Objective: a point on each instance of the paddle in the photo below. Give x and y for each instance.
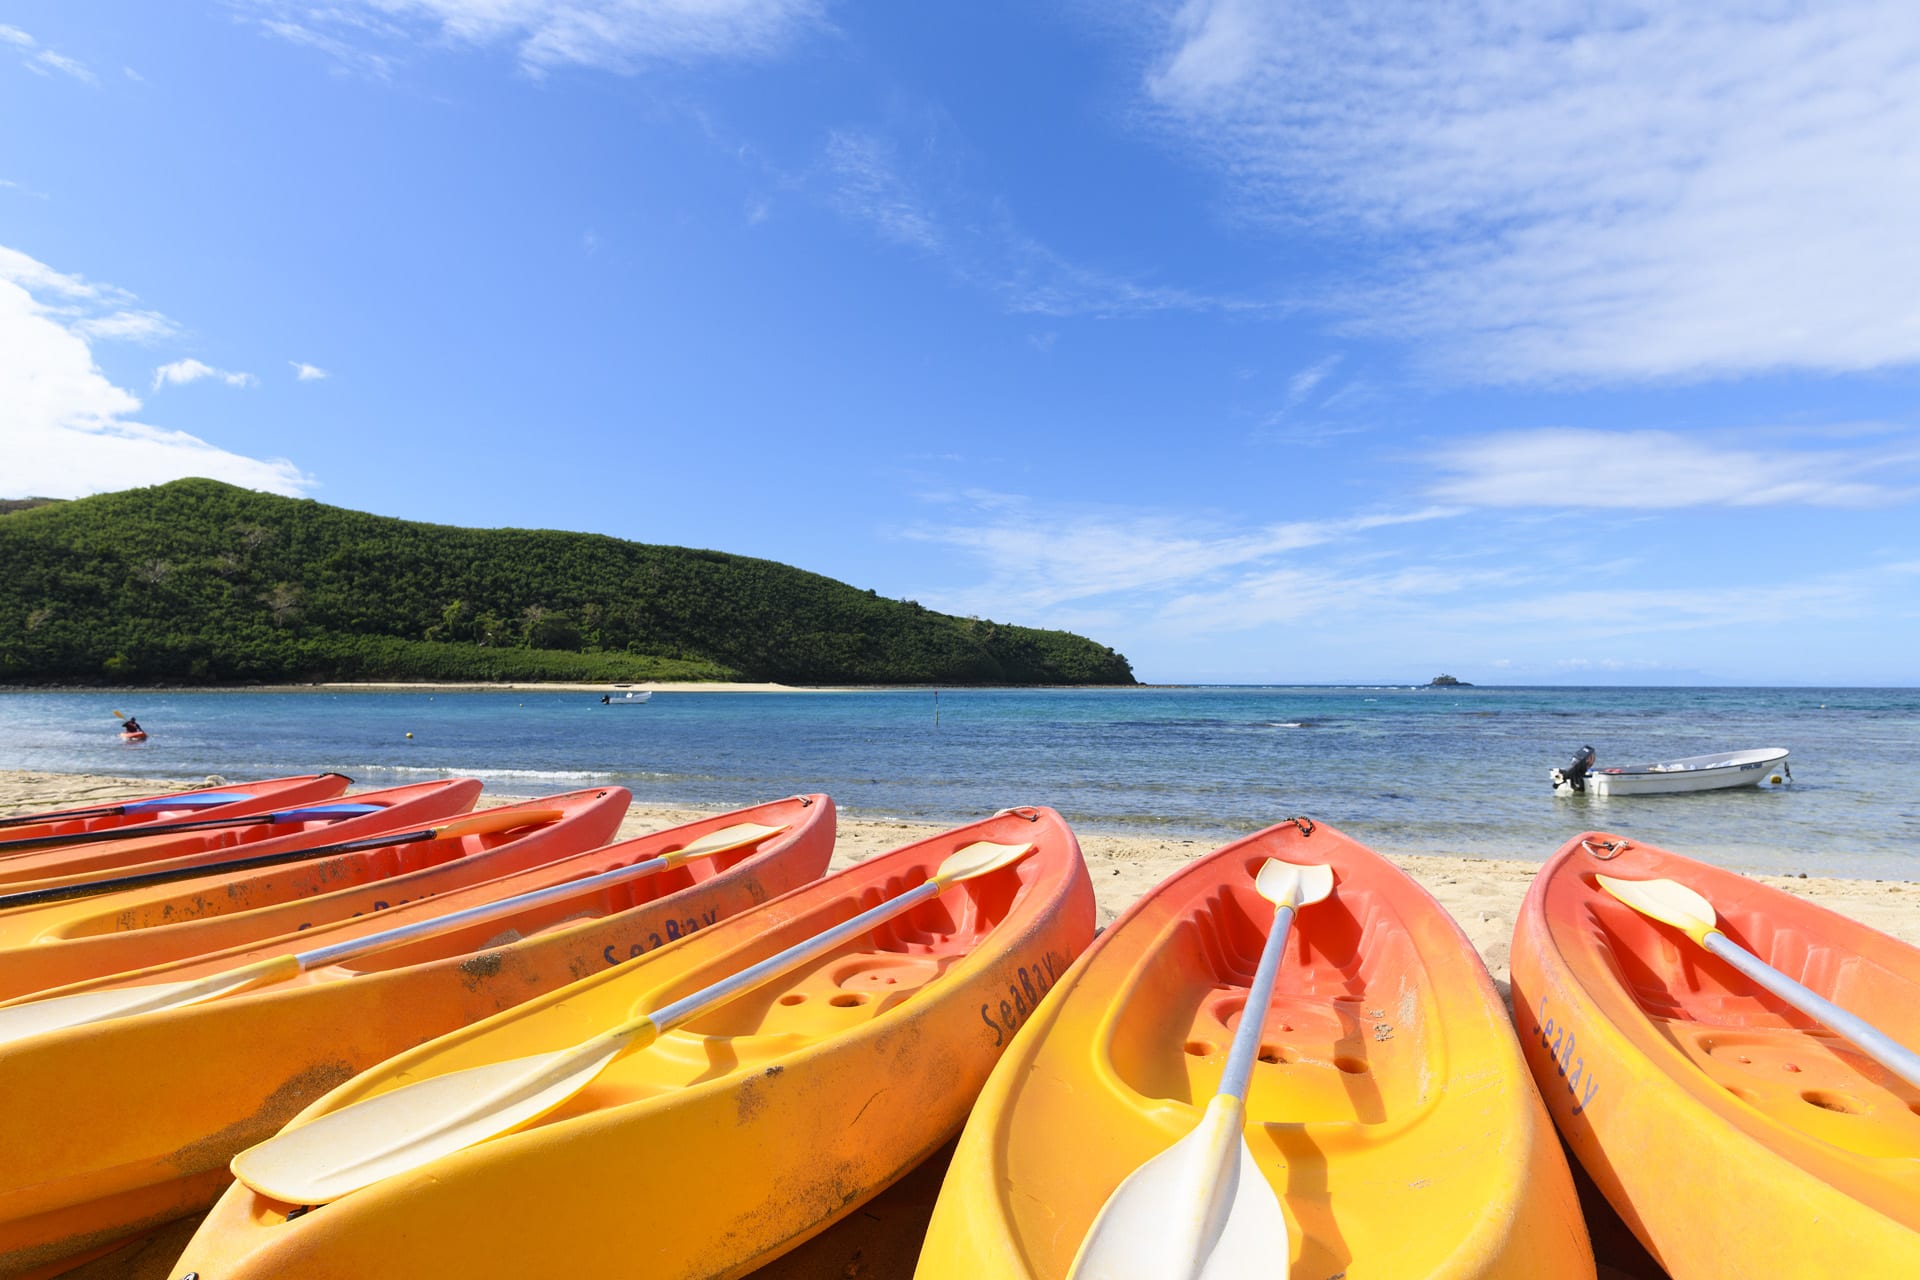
(504, 819)
(391, 1133)
(195, 800)
(19, 1021)
(313, 813)
(1201, 1209)
(1675, 904)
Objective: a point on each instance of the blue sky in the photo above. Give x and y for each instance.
(1531, 342)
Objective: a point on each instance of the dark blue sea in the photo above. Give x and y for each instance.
(1407, 770)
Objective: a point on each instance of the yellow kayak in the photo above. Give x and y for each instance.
(116, 1127)
(1738, 1137)
(1389, 1111)
(722, 1143)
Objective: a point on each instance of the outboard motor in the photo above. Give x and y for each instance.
(1573, 778)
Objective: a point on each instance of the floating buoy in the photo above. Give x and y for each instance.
(409, 735)
(1775, 779)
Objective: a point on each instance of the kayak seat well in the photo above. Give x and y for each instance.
(1341, 1043)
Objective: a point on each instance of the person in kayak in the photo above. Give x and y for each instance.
(130, 725)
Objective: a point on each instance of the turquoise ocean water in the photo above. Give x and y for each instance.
(1406, 770)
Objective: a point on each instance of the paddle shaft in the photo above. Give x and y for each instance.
(393, 937)
(1888, 1052)
(1253, 1015)
(195, 800)
(61, 893)
(317, 813)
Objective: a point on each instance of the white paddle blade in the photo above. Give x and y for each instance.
(391, 1133)
(1200, 1210)
(1289, 884)
(979, 858)
(1666, 901)
(54, 1013)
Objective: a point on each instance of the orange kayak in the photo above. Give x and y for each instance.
(19, 832)
(92, 1156)
(301, 826)
(1388, 1110)
(71, 941)
(1732, 1133)
(726, 1141)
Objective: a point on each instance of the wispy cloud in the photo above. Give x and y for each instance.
(1574, 467)
(869, 180)
(304, 372)
(1594, 193)
(181, 372)
(622, 36)
(1040, 557)
(42, 61)
(68, 430)
(128, 326)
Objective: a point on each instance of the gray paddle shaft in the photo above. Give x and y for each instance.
(471, 915)
(1246, 1039)
(669, 1016)
(1879, 1046)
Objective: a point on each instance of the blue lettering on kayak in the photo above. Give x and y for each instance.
(1027, 987)
(1559, 1041)
(676, 929)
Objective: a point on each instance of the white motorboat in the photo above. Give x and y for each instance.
(631, 698)
(1668, 777)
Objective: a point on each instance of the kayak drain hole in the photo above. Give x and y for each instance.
(792, 998)
(1832, 1102)
(1200, 1048)
(1352, 1066)
(1272, 1053)
(848, 999)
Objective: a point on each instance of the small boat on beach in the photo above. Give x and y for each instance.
(1387, 1128)
(631, 698)
(1732, 1064)
(128, 1095)
(694, 1112)
(1671, 777)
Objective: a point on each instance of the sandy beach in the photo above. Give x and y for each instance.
(1483, 895)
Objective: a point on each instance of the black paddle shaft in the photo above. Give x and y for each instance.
(60, 893)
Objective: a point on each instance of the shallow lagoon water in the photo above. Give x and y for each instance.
(1407, 770)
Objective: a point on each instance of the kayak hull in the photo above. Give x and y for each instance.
(68, 942)
(1389, 1109)
(234, 1070)
(733, 1138)
(1733, 1137)
(21, 863)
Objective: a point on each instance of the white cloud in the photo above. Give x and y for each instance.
(181, 372)
(1605, 192)
(623, 36)
(304, 372)
(128, 326)
(980, 244)
(67, 429)
(1038, 559)
(45, 59)
(1573, 467)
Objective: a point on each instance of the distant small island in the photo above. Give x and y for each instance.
(1450, 682)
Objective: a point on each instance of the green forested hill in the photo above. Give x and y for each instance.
(200, 581)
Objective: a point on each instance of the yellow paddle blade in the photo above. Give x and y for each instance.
(723, 840)
(18, 1021)
(1289, 884)
(390, 1133)
(487, 821)
(977, 859)
(1200, 1210)
(1666, 901)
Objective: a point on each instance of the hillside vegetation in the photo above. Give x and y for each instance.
(198, 581)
